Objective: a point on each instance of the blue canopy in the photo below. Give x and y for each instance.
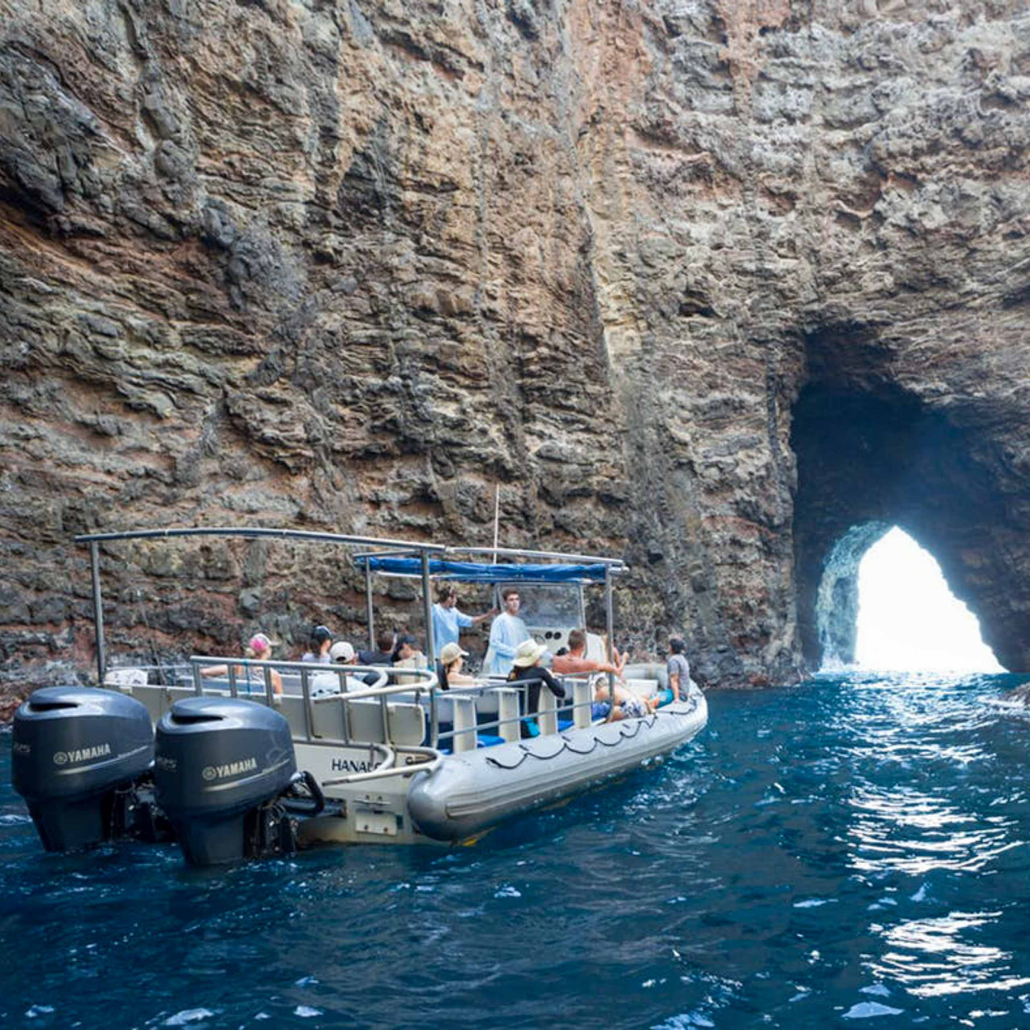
(474, 572)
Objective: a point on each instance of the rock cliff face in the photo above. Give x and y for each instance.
(708, 284)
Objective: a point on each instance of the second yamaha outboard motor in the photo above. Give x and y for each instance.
(220, 768)
(77, 756)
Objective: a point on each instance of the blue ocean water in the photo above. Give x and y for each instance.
(849, 850)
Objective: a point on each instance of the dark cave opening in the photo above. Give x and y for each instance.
(870, 458)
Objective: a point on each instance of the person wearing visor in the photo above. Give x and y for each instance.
(448, 620)
(526, 668)
(319, 646)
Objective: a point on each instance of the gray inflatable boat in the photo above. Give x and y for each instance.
(471, 792)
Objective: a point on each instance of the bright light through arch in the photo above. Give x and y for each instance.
(908, 619)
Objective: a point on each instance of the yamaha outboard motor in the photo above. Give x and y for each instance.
(78, 754)
(220, 768)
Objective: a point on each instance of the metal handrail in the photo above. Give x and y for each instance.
(521, 686)
(517, 552)
(316, 668)
(253, 532)
(94, 540)
(381, 690)
(392, 769)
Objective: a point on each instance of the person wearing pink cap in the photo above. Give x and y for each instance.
(259, 648)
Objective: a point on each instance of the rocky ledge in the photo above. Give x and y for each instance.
(709, 285)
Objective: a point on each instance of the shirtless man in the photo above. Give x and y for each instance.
(575, 663)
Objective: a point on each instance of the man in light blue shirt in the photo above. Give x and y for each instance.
(507, 632)
(448, 621)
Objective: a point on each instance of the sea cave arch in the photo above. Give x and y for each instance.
(871, 455)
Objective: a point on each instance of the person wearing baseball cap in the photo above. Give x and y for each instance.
(321, 642)
(406, 655)
(342, 652)
(260, 649)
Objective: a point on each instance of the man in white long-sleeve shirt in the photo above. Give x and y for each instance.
(506, 633)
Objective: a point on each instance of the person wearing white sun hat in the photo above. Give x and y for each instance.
(526, 668)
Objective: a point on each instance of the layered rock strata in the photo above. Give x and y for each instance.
(704, 284)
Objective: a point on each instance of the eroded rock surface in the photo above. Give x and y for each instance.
(352, 266)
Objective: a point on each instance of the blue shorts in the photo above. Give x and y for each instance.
(599, 710)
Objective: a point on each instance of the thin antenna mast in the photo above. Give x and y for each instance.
(497, 518)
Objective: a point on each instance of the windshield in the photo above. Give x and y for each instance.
(548, 604)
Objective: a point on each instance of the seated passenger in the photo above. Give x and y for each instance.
(451, 660)
(678, 669)
(259, 648)
(627, 705)
(526, 668)
(341, 653)
(382, 656)
(319, 646)
(406, 655)
(597, 649)
(575, 661)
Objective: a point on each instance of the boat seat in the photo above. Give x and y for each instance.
(482, 740)
(647, 671)
(416, 661)
(406, 722)
(131, 677)
(643, 687)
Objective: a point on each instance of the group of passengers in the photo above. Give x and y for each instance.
(512, 655)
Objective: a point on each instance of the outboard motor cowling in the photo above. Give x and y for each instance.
(76, 753)
(220, 766)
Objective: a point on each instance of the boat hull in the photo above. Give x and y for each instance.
(474, 791)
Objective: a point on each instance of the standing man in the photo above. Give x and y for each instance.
(448, 621)
(678, 669)
(507, 632)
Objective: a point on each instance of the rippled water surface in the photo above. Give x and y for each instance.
(852, 849)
